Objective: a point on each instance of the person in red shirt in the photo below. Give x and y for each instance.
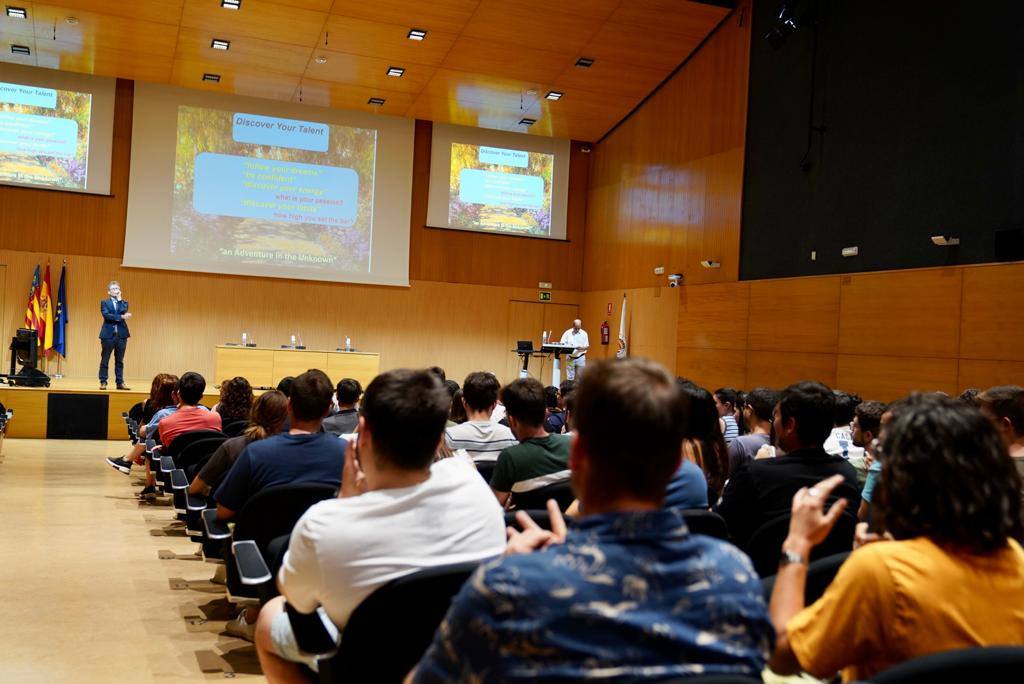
(189, 416)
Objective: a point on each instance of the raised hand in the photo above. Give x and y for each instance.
(809, 524)
(533, 537)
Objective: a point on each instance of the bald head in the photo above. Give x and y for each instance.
(577, 324)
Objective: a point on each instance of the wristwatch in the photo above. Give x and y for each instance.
(791, 558)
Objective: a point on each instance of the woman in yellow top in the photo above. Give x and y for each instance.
(950, 573)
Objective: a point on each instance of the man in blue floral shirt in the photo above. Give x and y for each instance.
(628, 592)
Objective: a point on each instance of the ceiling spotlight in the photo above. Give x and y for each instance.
(945, 240)
(21, 50)
(17, 12)
(396, 71)
(417, 34)
(220, 44)
(553, 95)
(584, 62)
(785, 24)
(378, 101)
(527, 122)
(231, 4)
(320, 59)
(212, 78)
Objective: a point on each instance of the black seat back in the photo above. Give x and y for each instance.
(992, 664)
(384, 639)
(705, 522)
(184, 439)
(537, 499)
(820, 574)
(273, 511)
(486, 469)
(194, 456)
(234, 428)
(765, 543)
(135, 413)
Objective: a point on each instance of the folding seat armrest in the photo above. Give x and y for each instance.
(314, 632)
(167, 464)
(252, 569)
(179, 482)
(215, 529)
(196, 502)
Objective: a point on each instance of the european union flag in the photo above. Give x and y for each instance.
(60, 320)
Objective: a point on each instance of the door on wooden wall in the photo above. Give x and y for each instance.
(527, 321)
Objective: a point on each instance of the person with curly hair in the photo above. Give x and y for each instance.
(235, 400)
(945, 572)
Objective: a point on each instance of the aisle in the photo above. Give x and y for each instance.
(90, 576)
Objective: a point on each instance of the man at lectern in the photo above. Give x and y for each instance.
(577, 337)
(113, 334)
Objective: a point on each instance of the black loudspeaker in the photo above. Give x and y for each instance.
(1010, 244)
(30, 377)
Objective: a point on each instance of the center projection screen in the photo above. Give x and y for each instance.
(229, 184)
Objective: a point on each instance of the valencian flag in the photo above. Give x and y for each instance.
(32, 309)
(46, 313)
(60, 319)
(623, 351)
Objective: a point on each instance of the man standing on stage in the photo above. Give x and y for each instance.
(577, 337)
(113, 334)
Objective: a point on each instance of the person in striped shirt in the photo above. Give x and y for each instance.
(481, 438)
(725, 401)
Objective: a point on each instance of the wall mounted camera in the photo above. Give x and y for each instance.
(675, 279)
(585, 148)
(945, 241)
(708, 263)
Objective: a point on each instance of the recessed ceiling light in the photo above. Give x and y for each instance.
(396, 71)
(21, 50)
(584, 62)
(220, 44)
(231, 4)
(17, 12)
(375, 101)
(527, 122)
(553, 95)
(320, 59)
(70, 21)
(212, 78)
(417, 34)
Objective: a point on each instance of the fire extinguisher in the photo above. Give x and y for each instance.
(605, 333)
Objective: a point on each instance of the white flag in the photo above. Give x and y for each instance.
(621, 353)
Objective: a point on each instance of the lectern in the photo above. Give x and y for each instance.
(556, 367)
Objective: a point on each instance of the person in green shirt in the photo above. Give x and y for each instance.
(540, 458)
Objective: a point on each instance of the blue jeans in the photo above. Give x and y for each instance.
(117, 346)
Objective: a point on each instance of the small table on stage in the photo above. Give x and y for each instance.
(556, 367)
(265, 366)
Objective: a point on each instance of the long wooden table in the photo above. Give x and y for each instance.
(264, 367)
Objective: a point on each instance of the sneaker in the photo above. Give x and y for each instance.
(148, 493)
(240, 628)
(120, 464)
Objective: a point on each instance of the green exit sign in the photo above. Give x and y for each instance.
(545, 296)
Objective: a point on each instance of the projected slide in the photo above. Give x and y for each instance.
(254, 189)
(44, 136)
(502, 190)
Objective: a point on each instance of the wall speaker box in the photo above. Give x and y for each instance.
(76, 416)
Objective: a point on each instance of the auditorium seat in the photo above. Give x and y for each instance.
(709, 523)
(235, 427)
(539, 516)
(820, 574)
(537, 499)
(766, 542)
(486, 469)
(992, 664)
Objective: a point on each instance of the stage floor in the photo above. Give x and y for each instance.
(31, 404)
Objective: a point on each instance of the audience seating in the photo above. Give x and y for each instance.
(820, 574)
(235, 427)
(766, 541)
(135, 412)
(537, 499)
(992, 664)
(539, 516)
(194, 456)
(709, 523)
(486, 469)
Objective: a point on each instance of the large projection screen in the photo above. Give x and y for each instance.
(56, 129)
(229, 184)
(498, 182)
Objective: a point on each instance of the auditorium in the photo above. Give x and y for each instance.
(481, 341)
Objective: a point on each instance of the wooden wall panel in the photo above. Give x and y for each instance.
(180, 317)
(982, 374)
(992, 327)
(651, 315)
(712, 368)
(794, 314)
(779, 369)
(886, 378)
(713, 316)
(901, 313)
(665, 186)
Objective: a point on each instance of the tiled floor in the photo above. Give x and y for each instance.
(98, 587)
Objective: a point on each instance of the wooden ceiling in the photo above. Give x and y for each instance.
(483, 63)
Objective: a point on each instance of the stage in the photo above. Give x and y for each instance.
(84, 410)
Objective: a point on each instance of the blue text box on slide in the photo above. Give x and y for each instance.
(228, 185)
(269, 130)
(503, 157)
(16, 93)
(497, 188)
(33, 135)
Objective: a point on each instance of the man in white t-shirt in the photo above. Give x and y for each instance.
(480, 437)
(397, 513)
(577, 337)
